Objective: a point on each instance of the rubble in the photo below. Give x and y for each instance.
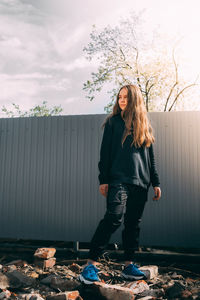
(20, 279)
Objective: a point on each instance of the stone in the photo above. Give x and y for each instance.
(156, 293)
(115, 292)
(18, 279)
(175, 290)
(151, 271)
(176, 276)
(4, 281)
(45, 263)
(5, 294)
(186, 294)
(73, 295)
(138, 287)
(47, 279)
(64, 284)
(45, 253)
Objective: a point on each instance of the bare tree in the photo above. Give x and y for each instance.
(126, 56)
(176, 91)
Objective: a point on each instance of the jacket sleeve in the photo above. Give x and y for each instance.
(153, 170)
(105, 154)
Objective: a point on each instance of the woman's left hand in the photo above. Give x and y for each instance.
(157, 191)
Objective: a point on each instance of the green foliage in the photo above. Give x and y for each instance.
(37, 111)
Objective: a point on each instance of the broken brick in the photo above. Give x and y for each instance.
(45, 253)
(73, 295)
(151, 271)
(45, 263)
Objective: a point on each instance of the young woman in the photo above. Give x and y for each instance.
(126, 171)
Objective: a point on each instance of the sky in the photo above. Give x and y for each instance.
(41, 47)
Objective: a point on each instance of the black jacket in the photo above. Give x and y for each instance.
(125, 164)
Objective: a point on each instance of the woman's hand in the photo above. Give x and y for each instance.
(103, 189)
(157, 191)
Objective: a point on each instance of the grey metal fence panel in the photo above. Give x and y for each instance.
(49, 179)
(174, 220)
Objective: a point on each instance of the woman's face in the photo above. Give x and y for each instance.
(123, 98)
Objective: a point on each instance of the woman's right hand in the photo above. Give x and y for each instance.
(103, 189)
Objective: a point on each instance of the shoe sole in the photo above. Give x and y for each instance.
(82, 279)
(132, 276)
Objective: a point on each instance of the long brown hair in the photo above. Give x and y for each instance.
(135, 117)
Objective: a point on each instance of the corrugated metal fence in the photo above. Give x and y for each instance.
(49, 179)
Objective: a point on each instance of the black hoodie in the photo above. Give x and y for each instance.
(125, 164)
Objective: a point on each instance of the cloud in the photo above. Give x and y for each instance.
(72, 100)
(41, 52)
(17, 91)
(64, 39)
(37, 54)
(41, 47)
(24, 76)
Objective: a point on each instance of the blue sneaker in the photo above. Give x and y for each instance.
(132, 272)
(89, 274)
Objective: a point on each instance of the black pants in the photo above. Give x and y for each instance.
(123, 200)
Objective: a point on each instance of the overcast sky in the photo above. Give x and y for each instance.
(41, 46)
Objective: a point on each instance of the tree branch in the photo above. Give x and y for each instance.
(176, 81)
(180, 94)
